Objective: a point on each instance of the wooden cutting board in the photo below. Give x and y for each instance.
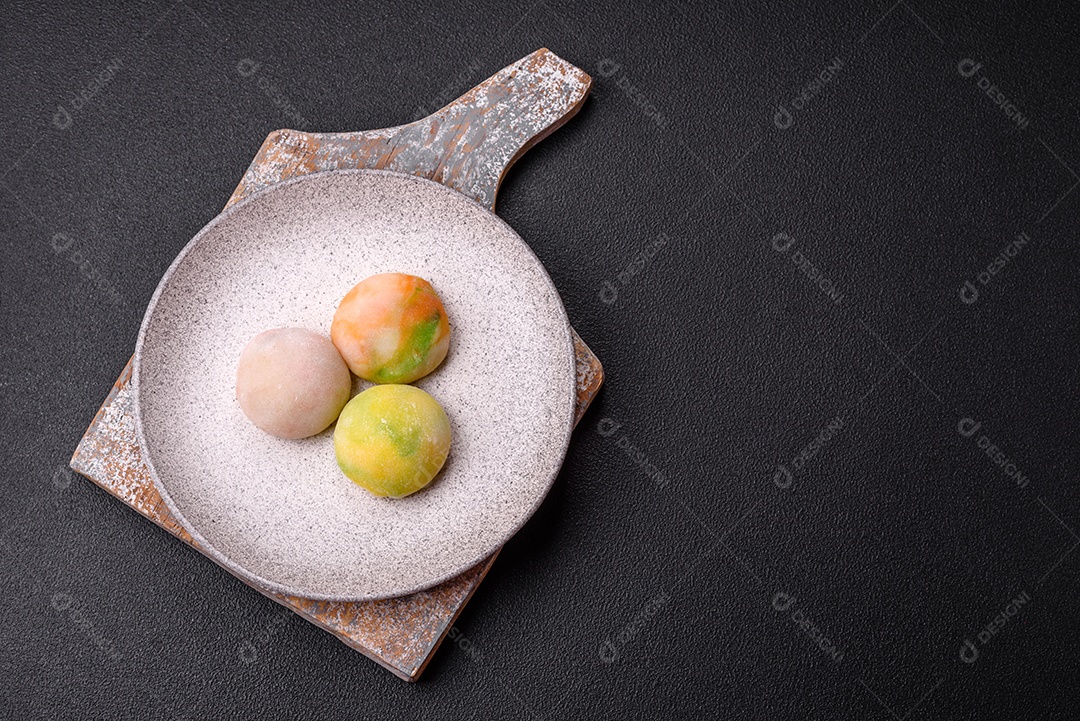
(468, 146)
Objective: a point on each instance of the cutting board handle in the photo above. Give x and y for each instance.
(467, 145)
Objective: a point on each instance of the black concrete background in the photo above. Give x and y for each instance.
(675, 571)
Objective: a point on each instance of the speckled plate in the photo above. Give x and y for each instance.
(280, 513)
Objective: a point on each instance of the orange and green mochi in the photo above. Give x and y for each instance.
(392, 439)
(391, 328)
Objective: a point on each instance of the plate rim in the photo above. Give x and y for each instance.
(562, 443)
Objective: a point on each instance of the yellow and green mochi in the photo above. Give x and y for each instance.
(392, 439)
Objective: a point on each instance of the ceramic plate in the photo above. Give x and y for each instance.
(280, 513)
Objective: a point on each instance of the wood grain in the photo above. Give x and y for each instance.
(468, 146)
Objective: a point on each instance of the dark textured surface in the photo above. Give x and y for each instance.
(647, 583)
